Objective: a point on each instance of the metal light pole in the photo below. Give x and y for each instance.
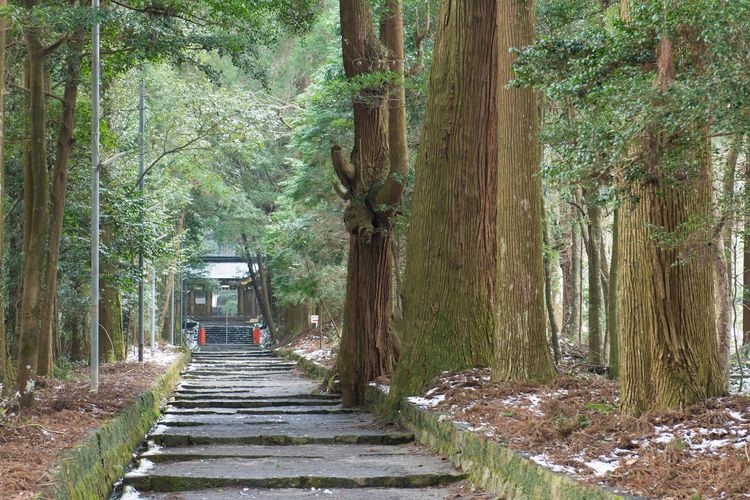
(153, 309)
(141, 169)
(94, 364)
(171, 312)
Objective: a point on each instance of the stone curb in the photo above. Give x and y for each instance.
(90, 469)
(499, 470)
(310, 368)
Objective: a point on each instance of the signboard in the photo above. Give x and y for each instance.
(314, 318)
(200, 300)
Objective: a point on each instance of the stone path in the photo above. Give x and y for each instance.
(243, 424)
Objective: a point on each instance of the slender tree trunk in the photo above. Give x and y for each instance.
(666, 312)
(595, 292)
(258, 285)
(265, 289)
(65, 143)
(4, 360)
(722, 256)
(111, 334)
(569, 262)
(169, 285)
(522, 351)
(746, 259)
(449, 283)
(614, 348)
(554, 330)
(373, 186)
(36, 193)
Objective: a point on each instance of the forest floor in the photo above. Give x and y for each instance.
(64, 414)
(572, 426)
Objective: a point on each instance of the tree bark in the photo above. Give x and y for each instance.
(374, 186)
(449, 284)
(522, 352)
(554, 329)
(258, 286)
(593, 248)
(612, 332)
(111, 334)
(265, 289)
(36, 196)
(65, 142)
(4, 360)
(669, 353)
(569, 264)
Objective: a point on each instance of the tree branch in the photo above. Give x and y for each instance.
(344, 170)
(343, 193)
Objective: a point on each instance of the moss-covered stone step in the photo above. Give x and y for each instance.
(337, 451)
(306, 422)
(265, 410)
(330, 471)
(278, 435)
(250, 396)
(249, 403)
(285, 494)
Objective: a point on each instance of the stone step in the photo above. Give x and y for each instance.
(265, 410)
(275, 435)
(257, 403)
(329, 471)
(269, 422)
(225, 493)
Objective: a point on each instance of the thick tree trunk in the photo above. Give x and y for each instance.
(669, 353)
(595, 292)
(450, 273)
(36, 197)
(65, 143)
(522, 352)
(374, 186)
(4, 360)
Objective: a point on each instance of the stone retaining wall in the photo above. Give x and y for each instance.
(89, 470)
(497, 469)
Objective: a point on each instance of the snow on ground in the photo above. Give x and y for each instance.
(162, 355)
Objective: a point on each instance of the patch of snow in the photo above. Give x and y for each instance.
(427, 402)
(601, 468)
(130, 493)
(543, 460)
(144, 466)
(737, 416)
(385, 389)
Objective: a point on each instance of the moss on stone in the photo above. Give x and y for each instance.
(89, 470)
(489, 465)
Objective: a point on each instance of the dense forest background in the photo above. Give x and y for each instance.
(639, 104)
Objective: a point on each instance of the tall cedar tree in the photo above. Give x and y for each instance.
(521, 346)
(36, 215)
(449, 294)
(666, 318)
(4, 368)
(373, 183)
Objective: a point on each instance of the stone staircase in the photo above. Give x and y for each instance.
(243, 424)
(229, 334)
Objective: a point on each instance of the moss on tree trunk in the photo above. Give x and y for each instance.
(522, 352)
(450, 265)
